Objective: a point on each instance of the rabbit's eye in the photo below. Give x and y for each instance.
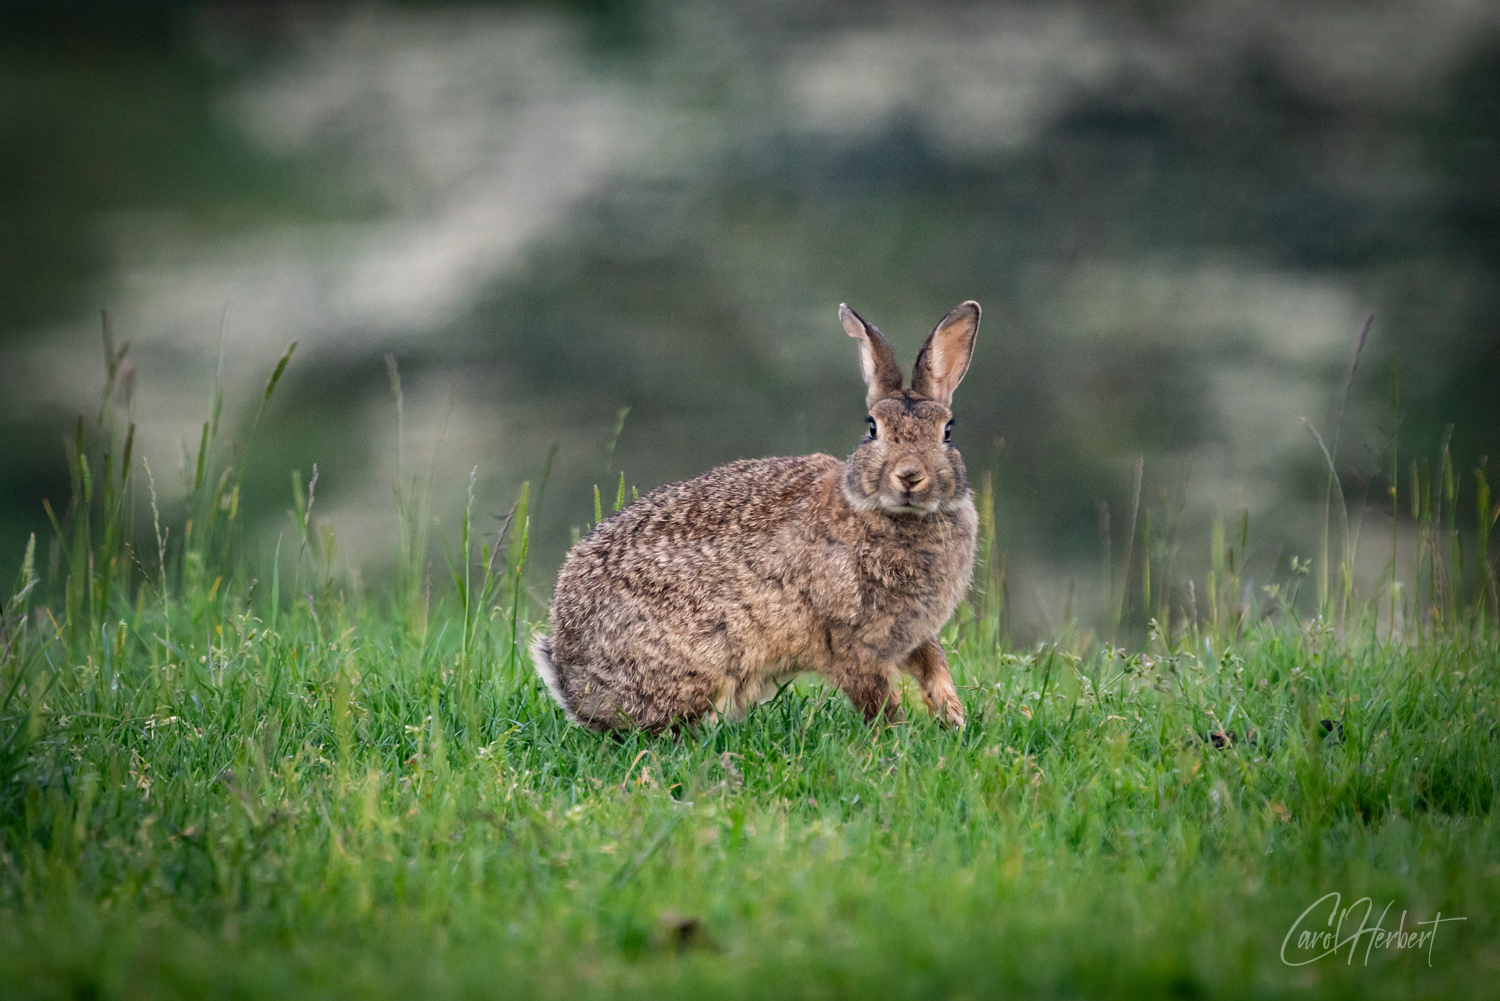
(948, 432)
(872, 429)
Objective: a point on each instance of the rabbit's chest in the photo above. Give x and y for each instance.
(914, 581)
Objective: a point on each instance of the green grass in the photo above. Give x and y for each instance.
(323, 809)
(216, 787)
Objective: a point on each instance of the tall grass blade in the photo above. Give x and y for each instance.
(1135, 507)
(614, 438)
(276, 373)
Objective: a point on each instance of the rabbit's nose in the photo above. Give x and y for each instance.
(909, 478)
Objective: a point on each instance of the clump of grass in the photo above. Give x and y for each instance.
(1446, 582)
(211, 787)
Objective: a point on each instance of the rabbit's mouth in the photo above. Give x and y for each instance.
(908, 505)
(909, 489)
(863, 492)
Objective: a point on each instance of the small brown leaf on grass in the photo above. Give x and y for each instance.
(1223, 739)
(678, 933)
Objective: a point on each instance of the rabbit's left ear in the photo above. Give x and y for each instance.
(877, 362)
(945, 354)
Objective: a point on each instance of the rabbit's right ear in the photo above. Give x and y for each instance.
(877, 362)
(945, 355)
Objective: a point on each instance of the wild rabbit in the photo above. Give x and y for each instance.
(702, 596)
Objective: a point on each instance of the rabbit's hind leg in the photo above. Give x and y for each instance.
(658, 696)
(629, 707)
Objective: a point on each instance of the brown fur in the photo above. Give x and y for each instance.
(701, 596)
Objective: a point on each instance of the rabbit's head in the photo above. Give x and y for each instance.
(906, 465)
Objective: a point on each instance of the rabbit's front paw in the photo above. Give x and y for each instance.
(951, 712)
(942, 701)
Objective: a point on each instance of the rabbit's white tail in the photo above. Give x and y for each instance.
(541, 657)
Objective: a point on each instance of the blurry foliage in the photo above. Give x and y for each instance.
(659, 295)
(1464, 143)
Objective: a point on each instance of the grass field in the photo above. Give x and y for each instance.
(215, 782)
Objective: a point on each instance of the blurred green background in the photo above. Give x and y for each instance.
(1175, 215)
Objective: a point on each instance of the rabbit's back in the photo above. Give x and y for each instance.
(698, 523)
